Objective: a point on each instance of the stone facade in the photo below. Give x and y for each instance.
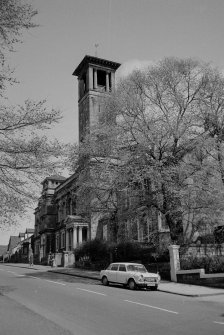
(61, 224)
(138, 222)
(63, 219)
(45, 219)
(96, 77)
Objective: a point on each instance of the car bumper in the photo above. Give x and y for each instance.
(148, 284)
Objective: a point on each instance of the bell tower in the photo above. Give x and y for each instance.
(96, 78)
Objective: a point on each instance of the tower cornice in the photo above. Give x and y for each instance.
(95, 61)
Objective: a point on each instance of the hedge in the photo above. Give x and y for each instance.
(101, 253)
(213, 264)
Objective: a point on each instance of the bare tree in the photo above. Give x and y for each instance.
(98, 176)
(159, 126)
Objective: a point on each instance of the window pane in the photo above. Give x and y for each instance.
(114, 267)
(122, 268)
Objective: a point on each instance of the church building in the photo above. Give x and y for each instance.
(60, 224)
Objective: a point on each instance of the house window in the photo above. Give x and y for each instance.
(37, 249)
(69, 206)
(57, 242)
(63, 239)
(141, 233)
(70, 237)
(125, 198)
(64, 209)
(162, 224)
(73, 206)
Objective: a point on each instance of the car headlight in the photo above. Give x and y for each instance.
(141, 278)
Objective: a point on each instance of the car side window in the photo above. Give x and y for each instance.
(114, 267)
(122, 268)
(131, 268)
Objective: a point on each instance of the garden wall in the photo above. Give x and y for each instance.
(199, 277)
(202, 264)
(200, 250)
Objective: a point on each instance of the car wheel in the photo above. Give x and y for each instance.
(105, 281)
(154, 288)
(131, 284)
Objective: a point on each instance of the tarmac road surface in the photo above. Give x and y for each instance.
(34, 302)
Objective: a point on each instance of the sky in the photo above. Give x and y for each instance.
(134, 33)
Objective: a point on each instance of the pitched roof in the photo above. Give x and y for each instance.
(13, 241)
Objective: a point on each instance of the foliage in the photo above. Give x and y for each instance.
(93, 250)
(15, 15)
(213, 264)
(207, 239)
(126, 251)
(162, 134)
(98, 254)
(134, 251)
(98, 174)
(219, 234)
(26, 153)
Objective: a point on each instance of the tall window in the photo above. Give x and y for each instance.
(57, 243)
(70, 233)
(74, 206)
(101, 78)
(62, 239)
(162, 224)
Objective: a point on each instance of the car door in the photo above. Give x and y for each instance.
(112, 274)
(122, 274)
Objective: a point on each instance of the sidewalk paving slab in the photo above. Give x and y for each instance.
(165, 286)
(189, 290)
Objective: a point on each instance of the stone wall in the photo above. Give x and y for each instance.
(58, 259)
(195, 276)
(201, 250)
(199, 277)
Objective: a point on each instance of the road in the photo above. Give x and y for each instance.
(33, 302)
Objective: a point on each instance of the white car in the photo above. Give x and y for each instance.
(131, 275)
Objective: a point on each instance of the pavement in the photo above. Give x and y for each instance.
(164, 286)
